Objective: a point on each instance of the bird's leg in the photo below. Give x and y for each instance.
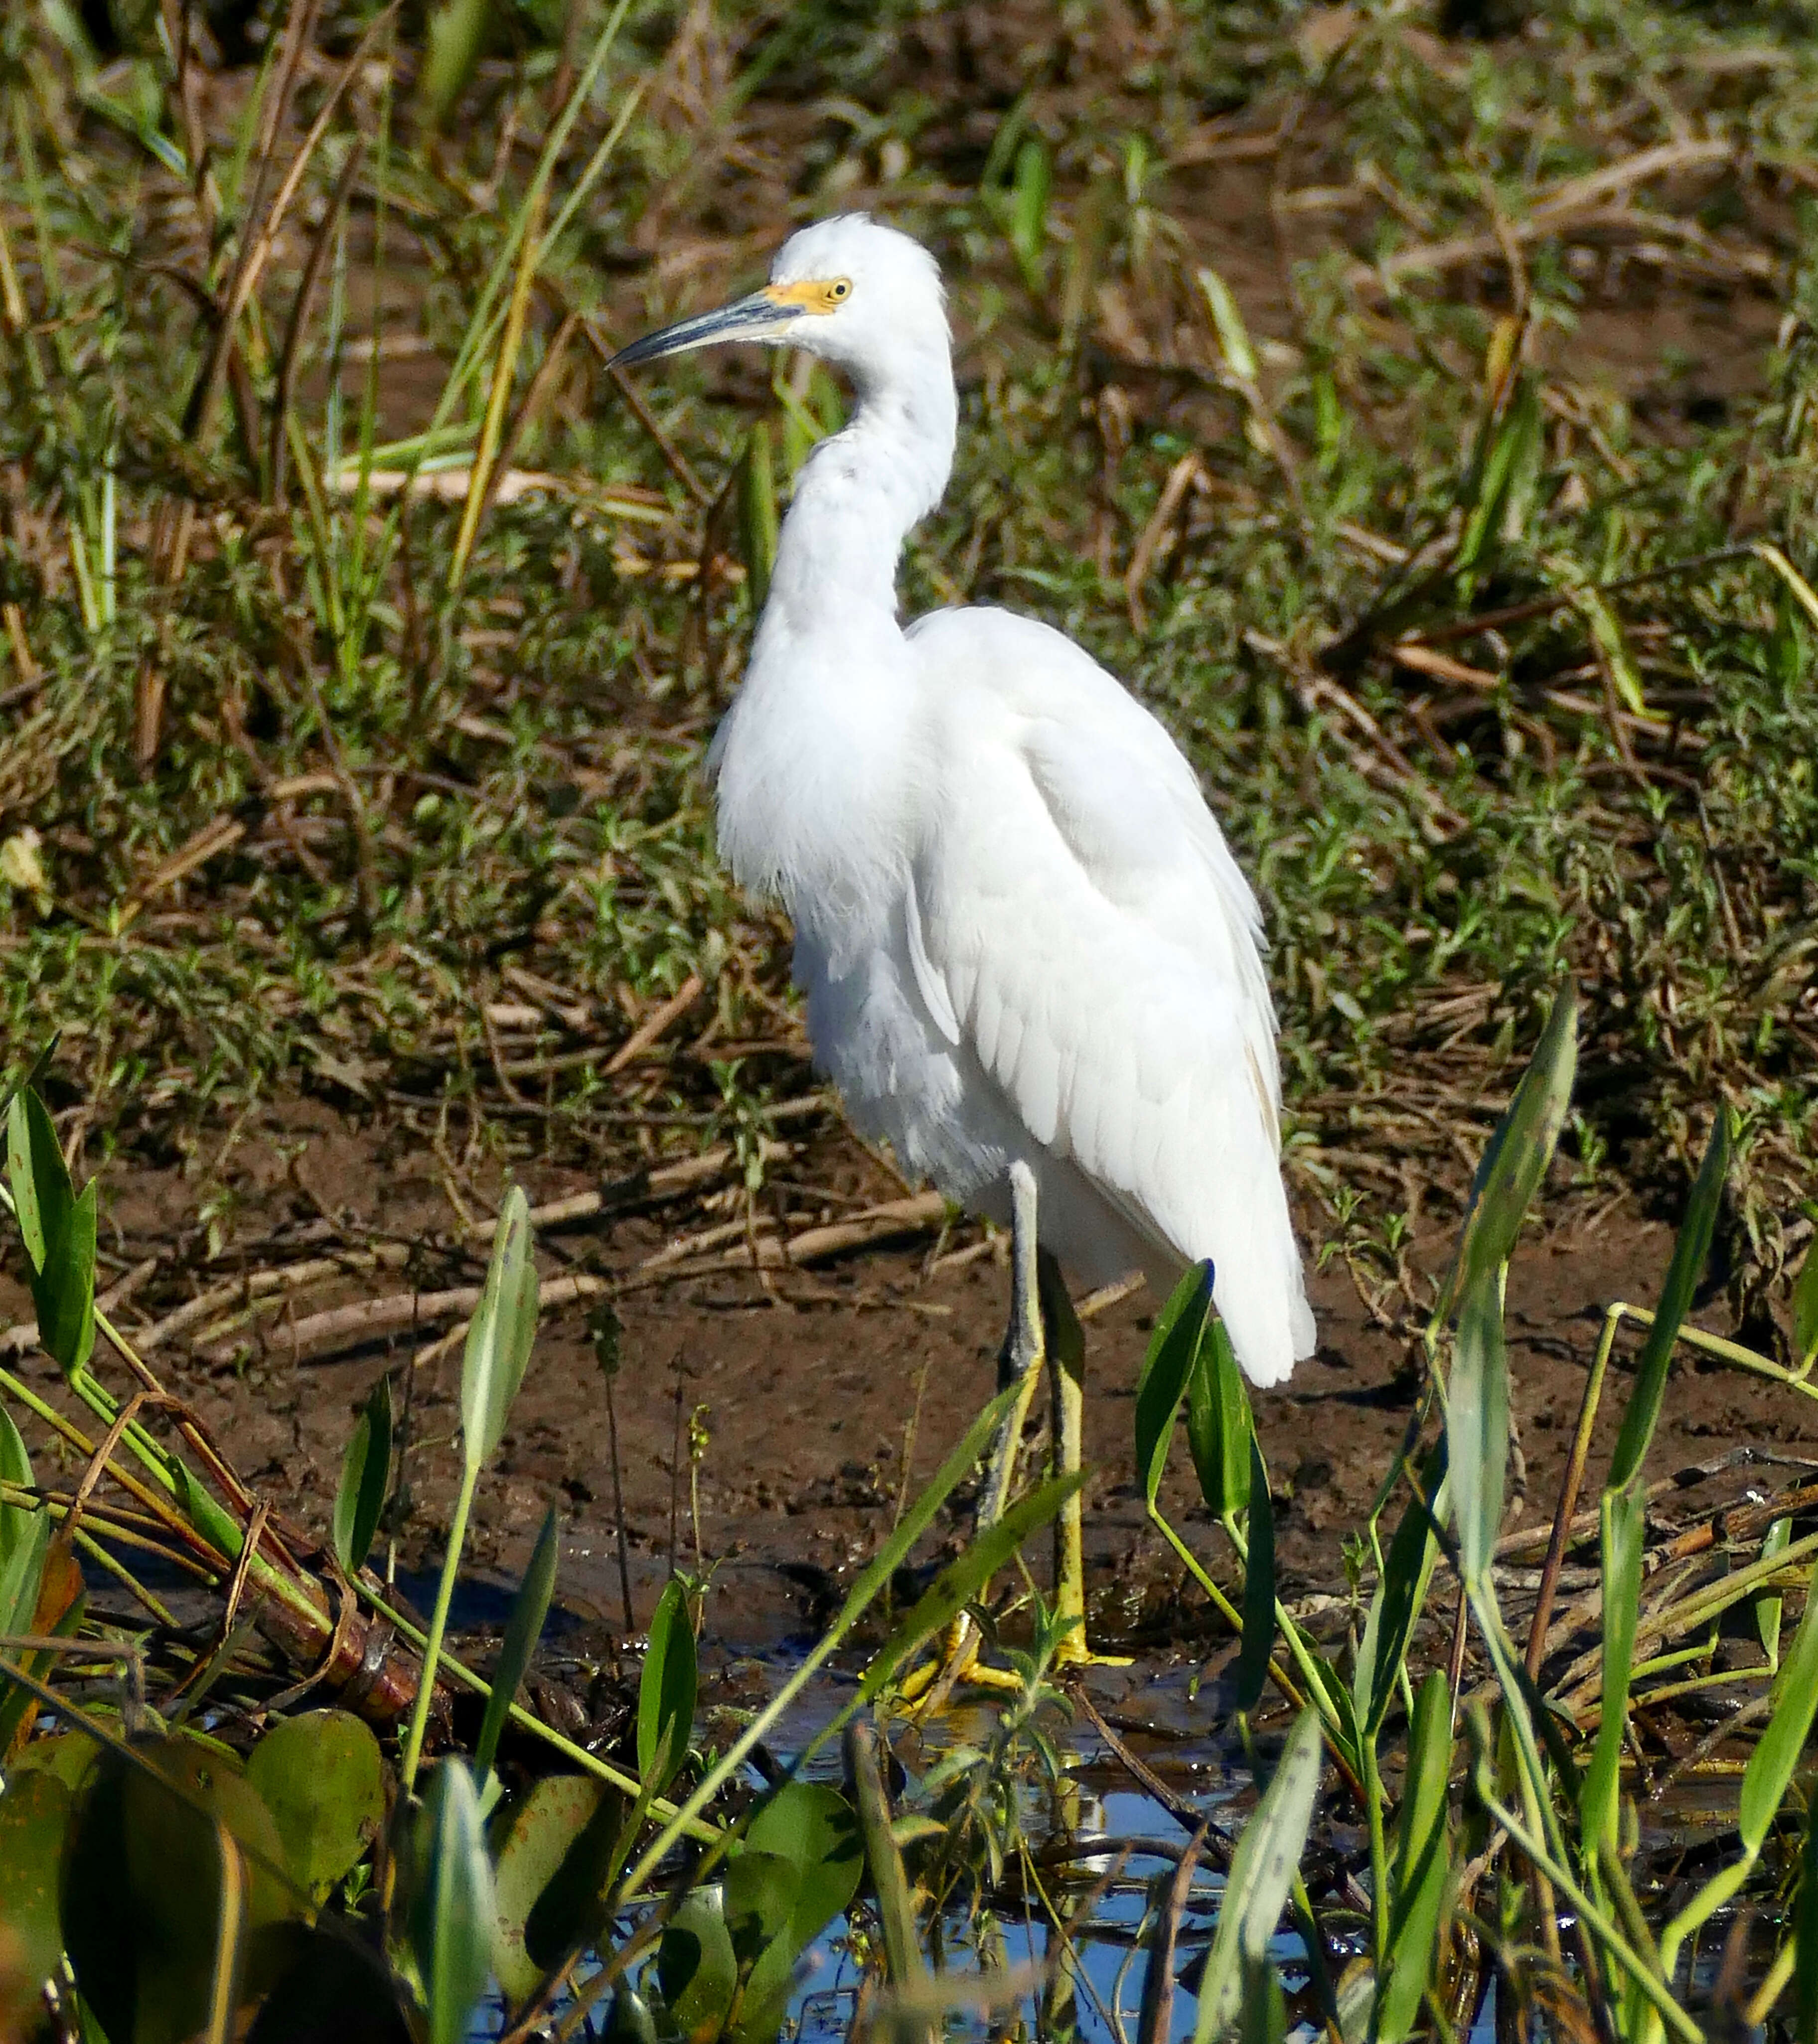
(1019, 1364)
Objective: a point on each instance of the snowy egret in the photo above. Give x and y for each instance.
(1031, 964)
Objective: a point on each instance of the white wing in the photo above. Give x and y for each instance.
(1077, 922)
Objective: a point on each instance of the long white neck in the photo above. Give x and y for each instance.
(860, 492)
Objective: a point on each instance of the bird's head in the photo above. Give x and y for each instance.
(856, 294)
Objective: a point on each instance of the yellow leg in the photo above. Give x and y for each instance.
(1066, 1360)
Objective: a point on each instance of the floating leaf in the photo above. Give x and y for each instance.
(554, 1866)
(500, 1337)
(34, 1819)
(366, 1477)
(528, 1613)
(1261, 1874)
(322, 1777)
(666, 1690)
(1258, 1587)
(1690, 1253)
(1180, 1327)
(696, 1968)
(1219, 1424)
(451, 1923)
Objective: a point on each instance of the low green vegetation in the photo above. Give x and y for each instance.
(360, 638)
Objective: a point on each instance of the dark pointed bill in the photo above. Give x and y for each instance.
(759, 317)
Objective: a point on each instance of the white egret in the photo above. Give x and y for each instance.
(1031, 964)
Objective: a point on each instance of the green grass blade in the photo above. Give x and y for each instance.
(1805, 1939)
(1219, 1423)
(366, 1478)
(1179, 1330)
(1258, 1587)
(1477, 1426)
(1422, 1864)
(1395, 1609)
(1623, 1515)
(666, 1690)
(1261, 1874)
(500, 1337)
(1805, 1308)
(1515, 1162)
(1690, 1252)
(1769, 1773)
(528, 1611)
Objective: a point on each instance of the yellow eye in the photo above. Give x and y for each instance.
(841, 287)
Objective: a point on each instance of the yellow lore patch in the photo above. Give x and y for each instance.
(812, 295)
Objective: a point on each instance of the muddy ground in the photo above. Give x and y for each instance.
(824, 1391)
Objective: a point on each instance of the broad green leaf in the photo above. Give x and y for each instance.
(366, 1477)
(528, 1612)
(1624, 1516)
(37, 1174)
(23, 1530)
(1258, 1587)
(1805, 1308)
(1422, 1863)
(210, 1517)
(1180, 1327)
(142, 1887)
(322, 1777)
(500, 1337)
(1219, 1424)
(695, 1967)
(666, 1689)
(962, 1579)
(1477, 1424)
(34, 1819)
(1770, 1770)
(1261, 1874)
(800, 1867)
(454, 1911)
(1690, 1252)
(1395, 1609)
(1515, 1162)
(553, 1870)
(64, 1290)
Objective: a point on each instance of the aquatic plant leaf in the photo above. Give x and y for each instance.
(333, 1986)
(1219, 1423)
(629, 2019)
(451, 1922)
(24, 1534)
(1515, 1161)
(1769, 1773)
(1477, 1424)
(903, 1960)
(696, 1969)
(553, 1868)
(528, 1611)
(1805, 1308)
(322, 1777)
(366, 1477)
(142, 1892)
(34, 1820)
(1422, 1862)
(58, 1228)
(962, 1579)
(1624, 1532)
(500, 1337)
(206, 1512)
(1258, 1587)
(799, 1867)
(666, 1689)
(1262, 2012)
(1261, 1874)
(1395, 1609)
(1690, 1253)
(1180, 1327)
